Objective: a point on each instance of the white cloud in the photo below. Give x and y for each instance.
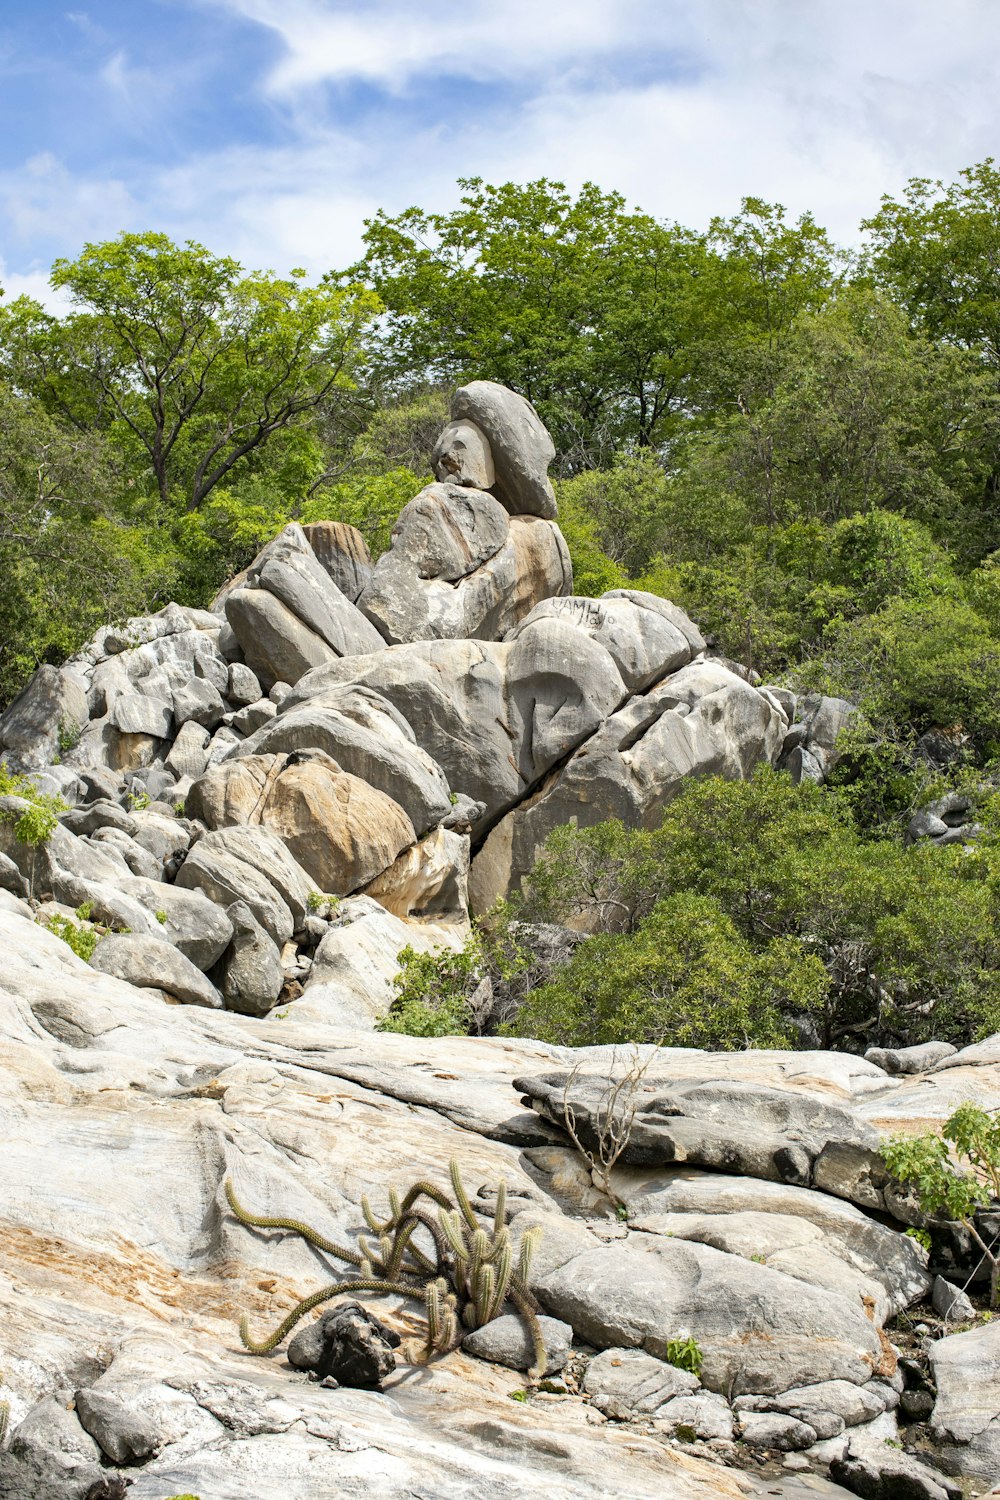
(389, 42)
(684, 106)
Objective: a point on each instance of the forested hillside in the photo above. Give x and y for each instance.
(796, 443)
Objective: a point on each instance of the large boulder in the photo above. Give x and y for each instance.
(44, 719)
(701, 721)
(249, 974)
(210, 867)
(341, 552)
(342, 831)
(643, 644)
(149, 963)
(495, 716)
(758, 1329)
(520, 447)
(966, 1416)
(368, 738)
(350, 985)
(277, 645)
(290, 570)
(460, 568)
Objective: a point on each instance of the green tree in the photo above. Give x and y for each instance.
(937, 251)
(190, 365)
(587, 310)
(75, 548)
(907, 937)
(955, 1174)
(684, 977)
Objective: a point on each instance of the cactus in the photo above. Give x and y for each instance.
(463, 1283)
(4, 1419)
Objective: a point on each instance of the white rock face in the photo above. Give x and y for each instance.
(124, 1271)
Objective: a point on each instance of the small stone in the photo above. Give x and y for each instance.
(797, 1462)
(507, 1341)
(950, 1302)
(349, 1345)
(916, 1406)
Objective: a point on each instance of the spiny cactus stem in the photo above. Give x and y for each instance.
(374, 1284)
(4, 1419)
(462, 1196)
(424, 1190)
(500, 1214)
(294, 1226)
(529, 1312)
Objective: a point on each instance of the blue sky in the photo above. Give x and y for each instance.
(269, 129)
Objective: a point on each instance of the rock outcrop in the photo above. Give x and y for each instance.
(409, 731)
(265, 803)
(124, 1273)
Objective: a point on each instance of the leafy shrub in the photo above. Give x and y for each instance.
(34, 824)
(955, 1173)
(684, 977)
(685, 1354)
(918, 664)
(446, 993)
(82, 940)
(908, 938)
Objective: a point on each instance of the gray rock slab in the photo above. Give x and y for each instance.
(292, 573)
(243, 687)
(702, 720)
(249, 974)
(224, 878)
(50, 708)
(201, 703)
(771, 1430)
(139, 713)
(520, 446)
(188, 755)
(966, 1417)
(910, 1059)
(151, 964)
(635, 1381)
(187, 919)
(507, 1341)
(265, 853)
(756, 1327)
(275, 642)
(462, 455)
(642, 643)
(343, 553)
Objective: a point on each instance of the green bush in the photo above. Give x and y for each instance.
(34, 824)
(907, 938)
(918, 664)
(954, 1174)
(685, 977)
(82, 940)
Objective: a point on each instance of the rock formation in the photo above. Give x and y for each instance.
(265, 802)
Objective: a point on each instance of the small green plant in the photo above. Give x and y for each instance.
(138, 801)
(760, 1260)
(464, 1281)
(517, 1395)
(955, 1173)
(453, 798)
(82, 940)
(34, 824)
(987, 1316)
(922, 1237)
(684, 1354)
(69, 735)
(179, 808)
(161, 917)
(316, 900)
(85, 911)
